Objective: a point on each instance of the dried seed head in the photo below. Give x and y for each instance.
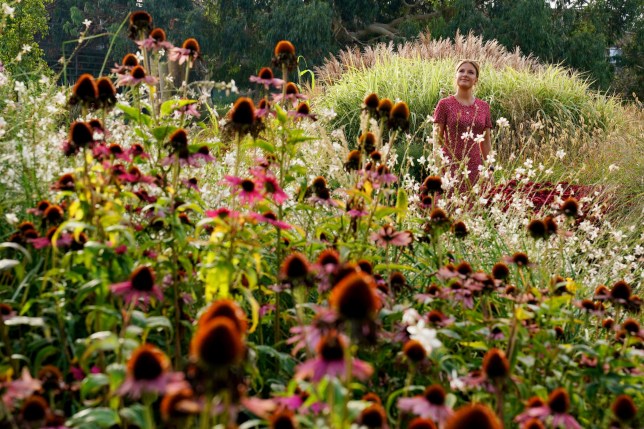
(80, 134)
(242, 115)
(551, 225)
(371, 102)
(620, 291)
(368, 142)
(106, 92)
(397, 281)
(54, 214)
(140, 25)
(521, 259)
(353, 161)
(384, 107)
(179, 139)
(496, 365)
(432, 184)
(373, 417)
(84, 91)
(631, 326)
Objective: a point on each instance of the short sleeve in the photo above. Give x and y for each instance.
(440, 114)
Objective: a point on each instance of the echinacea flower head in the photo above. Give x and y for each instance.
(431, 404)
(477, 416)
(537, 229)
(328, 257)
(283, 419)
(367, 142)
(136, 76)
(34, 411)
(225, 308)
(353, 161)
(387, 236)
(533, 424)
(421, 423)
(106, 93)
(620, 292)
(330, 361)
(295, 267)
(178, 140)
(496, 365)
(147, 371)
(178, 405)
(558, 401)
(130, 60)
(459, 229)
(53, 214)
(140, 286)
(217, 344)
(624, 408)
(373, 417)
(397, 281)
(399, 117)
(385, 107)
(551, 225)
(242, 115)
(432, 184)
(372, 397)
(414, 351)
(303, 111)
(284, 55)
(140, 25)
(80, 134)
(84, 91)
(570, 207)
(370, 103)
(354, 297)
(155, 41)
(265, 77)
(520, 259)
(6, 312)
(51, 378)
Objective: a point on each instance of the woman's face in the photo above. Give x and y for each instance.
(466, 76)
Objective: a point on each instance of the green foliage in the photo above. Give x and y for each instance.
(18, 48)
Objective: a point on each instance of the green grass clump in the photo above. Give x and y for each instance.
(518, 95)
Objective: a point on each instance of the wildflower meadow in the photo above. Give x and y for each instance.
(303, 258)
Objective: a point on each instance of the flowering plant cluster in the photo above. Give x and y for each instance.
(184, 270)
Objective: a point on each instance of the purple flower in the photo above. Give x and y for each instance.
(136, 76)
(270, 218)
(246, 189)
(148, 371)
(140, 286)
(265, 77)
(389, 236)
(429, 405)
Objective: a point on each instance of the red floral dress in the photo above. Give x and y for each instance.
(462, 124)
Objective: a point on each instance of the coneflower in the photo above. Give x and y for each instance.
(53, 214)
(537, 229)
(178, 140)
(399, 117)
(458, 228)
(284, 55)
(193, 47)
(217, 345)
(533, 424)
(34, 410)
(140, 286)
(608, 324)
(303, 111)
(431, 185)
(365, 266)
(551, 225)
(472, 416)
(431, 404)
(367, 142)
(370, 104)
(265, 77)
(130, 60)
(225, 308)
(631, 326)
(414, 351)
(520, 259)
(329, 257)
(384, 107)
(570, 207)
(84, 91)
(51, 378)
(496, 365)
(147, 371)
(464, 268)
(375, 156)
(295, 267)
(242, 115)
(354, 297)
(397, 281)
(624, 408)
(373, 417)
(80, 134)
(158, 34)
(106, 93)
(558, 401)
(137, 75)
(420, 423)
(500, 271)
(620, 292)
(372, 397)
(353, 161)
(140, 25)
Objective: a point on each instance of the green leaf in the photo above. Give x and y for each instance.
(262, 144)
(478, 345)
(218, 281)
(134, 415)
(160, 133)
(135, 114)
(44, 353)
(171, 105)
(94, 417)
(93, 384)
(281, 114)
(17, 247)
(402, 203)
(158, 322)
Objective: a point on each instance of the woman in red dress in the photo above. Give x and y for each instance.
(462, 124)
